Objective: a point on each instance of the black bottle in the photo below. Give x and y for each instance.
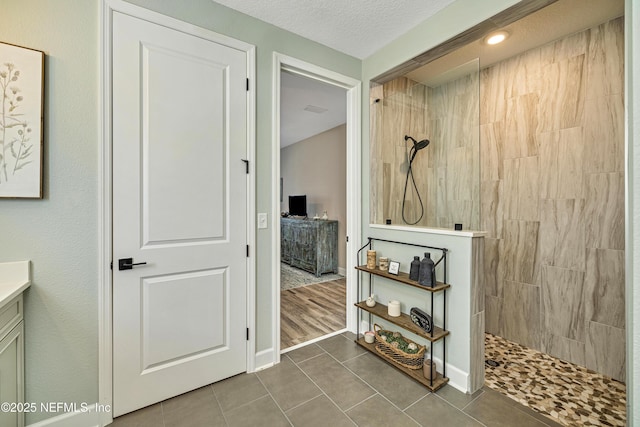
(414, 272)
(427, 274)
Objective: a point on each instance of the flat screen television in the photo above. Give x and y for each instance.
(298, 205)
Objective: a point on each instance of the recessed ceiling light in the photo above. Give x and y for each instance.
(497, 37)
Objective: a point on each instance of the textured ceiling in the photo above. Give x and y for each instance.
(355, 27)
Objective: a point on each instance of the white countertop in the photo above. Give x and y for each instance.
(432, 230)
(14, 279)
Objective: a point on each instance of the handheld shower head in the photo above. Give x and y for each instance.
(417, 145)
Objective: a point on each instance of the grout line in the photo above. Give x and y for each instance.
(320, 388)
(274, 400)
(377, 393)
(246, 403)
(162, 412)
(305, 360)
(375, 389)
(305, 402)
(215, 397)
(416, 402)
(472, 400)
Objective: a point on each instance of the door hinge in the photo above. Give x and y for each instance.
(247, 334)
(247, 85)
(247, 251)
(246, 165)
(111, 265)
(347, 239)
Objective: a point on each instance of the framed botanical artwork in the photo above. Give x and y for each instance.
(21, 121)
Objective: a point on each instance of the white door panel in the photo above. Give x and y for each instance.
(193, 299)
(179, 203)
(176, 206)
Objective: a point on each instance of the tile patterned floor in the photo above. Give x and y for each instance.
(333, 383)
(567, 393)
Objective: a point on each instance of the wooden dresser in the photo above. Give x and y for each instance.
(309, 244)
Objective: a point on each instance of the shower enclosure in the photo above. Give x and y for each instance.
(441, 187)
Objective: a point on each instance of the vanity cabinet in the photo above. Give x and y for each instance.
(437, 333)
(14, 280)
(310, 245)
(12, 361)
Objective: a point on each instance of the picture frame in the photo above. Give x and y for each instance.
(394, 267)
(21, 122)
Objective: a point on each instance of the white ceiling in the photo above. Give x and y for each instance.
(298, 93)
(355, 27)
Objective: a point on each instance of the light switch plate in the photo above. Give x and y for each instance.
(262, 220)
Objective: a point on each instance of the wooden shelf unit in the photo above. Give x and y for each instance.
(416, 374)
(402, 277)
(404, 320)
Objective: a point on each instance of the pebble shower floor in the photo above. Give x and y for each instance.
(566, 393)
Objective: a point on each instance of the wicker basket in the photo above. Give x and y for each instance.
(410, 361)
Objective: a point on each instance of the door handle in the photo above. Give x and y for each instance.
(127, 263)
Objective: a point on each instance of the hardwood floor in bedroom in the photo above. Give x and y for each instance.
(311, 311)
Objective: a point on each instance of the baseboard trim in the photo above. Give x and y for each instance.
(265, 359)
(458, 379)
(342, 271)
(85, 416)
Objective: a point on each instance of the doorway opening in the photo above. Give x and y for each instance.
(316, 153)
(313, 208)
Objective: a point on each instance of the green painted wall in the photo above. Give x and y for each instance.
(59, 234)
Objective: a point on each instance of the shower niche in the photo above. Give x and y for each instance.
(424, 152)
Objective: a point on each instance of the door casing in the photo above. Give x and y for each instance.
(105, 335)
(354, 180)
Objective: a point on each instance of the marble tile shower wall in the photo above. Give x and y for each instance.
(552, 192)
(446, 172)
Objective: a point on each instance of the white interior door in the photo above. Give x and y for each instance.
(179, 204)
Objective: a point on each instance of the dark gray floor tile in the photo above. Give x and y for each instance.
(319, 412)
(349, 335)
(304, 353)
(435, 412)
(378, 412)
(261, 412)
(151, 416)
(456, 397)
(496, 410)
(194, 409)
(343, 387)
(341, 347)
(238, 390)
(288, 385)
(401, 390)
(506, 399)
